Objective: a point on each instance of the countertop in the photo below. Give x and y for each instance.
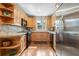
(51, 32)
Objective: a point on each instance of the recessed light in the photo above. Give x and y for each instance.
(57, 5)
(39, 10)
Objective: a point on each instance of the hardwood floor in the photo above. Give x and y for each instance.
(39, 49)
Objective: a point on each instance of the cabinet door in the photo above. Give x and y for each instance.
(35, 36)
(40, 36)
(45, 36)
(31, 22)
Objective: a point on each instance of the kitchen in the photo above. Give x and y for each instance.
(37, 29)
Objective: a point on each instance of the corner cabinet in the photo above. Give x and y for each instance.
(12, 46)
(12, 40)
(6, 13)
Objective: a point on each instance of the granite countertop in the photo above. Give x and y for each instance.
(51, 32)
(4, 35)
(11, 30)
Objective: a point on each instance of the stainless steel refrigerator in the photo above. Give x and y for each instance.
(68, 32)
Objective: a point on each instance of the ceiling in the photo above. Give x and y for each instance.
(38, 9)
(68, 5)
(47, 9)
(67, 8)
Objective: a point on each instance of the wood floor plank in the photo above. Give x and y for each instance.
(38, 50)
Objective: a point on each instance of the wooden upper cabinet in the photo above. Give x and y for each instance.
(53, 20)
(49, 21)
(18, 15)
(31, 21)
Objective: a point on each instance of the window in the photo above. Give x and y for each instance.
(40, 23)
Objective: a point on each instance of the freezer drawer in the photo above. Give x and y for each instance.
(71, 39)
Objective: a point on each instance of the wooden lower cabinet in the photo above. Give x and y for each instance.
(12, 46)
(40, 36)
